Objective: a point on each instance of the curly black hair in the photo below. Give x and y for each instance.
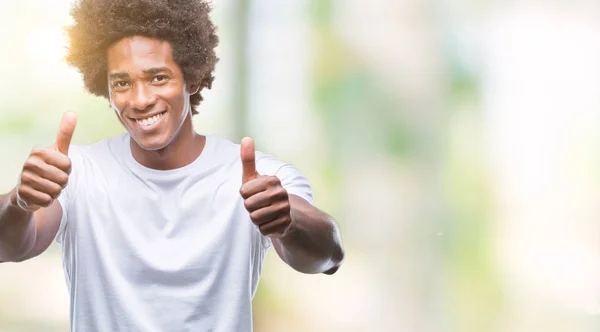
(185, 24)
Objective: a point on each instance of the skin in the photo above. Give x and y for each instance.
(27, 230)
(144, 80)
(306, 238)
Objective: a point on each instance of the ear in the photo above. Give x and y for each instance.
(193, 89)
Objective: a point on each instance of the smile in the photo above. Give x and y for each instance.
(149, 121)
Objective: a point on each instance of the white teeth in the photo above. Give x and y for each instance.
(149, 121)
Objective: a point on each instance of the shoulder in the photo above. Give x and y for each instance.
(222, 145)
(112, 144)
(84, 156)
(266, 164)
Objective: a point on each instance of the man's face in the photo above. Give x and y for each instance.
(147, 90)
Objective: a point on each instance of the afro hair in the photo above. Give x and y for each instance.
(185, 24)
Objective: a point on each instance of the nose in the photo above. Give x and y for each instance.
(142, 98)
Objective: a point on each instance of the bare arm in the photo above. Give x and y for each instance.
(30, 215)
(23, 234)
(312, 243)
(304, 237)
(17, 230)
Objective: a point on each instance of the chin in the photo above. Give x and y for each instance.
(153, 142)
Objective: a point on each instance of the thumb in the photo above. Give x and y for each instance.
(65, 132)
(248, 160)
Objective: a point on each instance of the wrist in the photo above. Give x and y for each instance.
(12, 199)
(13, 202)
(291, 230)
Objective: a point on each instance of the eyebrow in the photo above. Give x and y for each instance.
(154, 71)
(147, 72)
(117, 76)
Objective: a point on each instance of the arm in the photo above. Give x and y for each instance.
(24, 234)
(312, 242)
(304, 237)
(30, 215)
(17, 230)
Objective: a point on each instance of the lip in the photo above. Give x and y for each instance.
(147, 116)
(150, 128)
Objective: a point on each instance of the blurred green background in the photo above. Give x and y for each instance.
(456, 142)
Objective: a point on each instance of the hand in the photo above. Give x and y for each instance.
(46, 171)
(264, 196)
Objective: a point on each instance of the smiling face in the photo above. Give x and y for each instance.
(147, 90)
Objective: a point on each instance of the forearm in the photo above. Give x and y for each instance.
(313, 243)
(17, 230)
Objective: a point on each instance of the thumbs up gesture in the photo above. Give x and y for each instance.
(264, 197)
(46, 170)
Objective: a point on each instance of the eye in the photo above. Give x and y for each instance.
(120, 84)
(160, 79)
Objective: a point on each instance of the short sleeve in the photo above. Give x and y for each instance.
(295, 182)
(66, 197)
(290, 176)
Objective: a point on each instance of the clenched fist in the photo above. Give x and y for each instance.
(46, 171)
(264, 197)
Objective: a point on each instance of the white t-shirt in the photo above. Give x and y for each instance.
(149, 250)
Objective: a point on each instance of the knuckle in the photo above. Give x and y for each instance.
(285, 208)
(26, 177)
(245, 192)
(248, 205)
(41, 152)
(55, 191)
(273, 180)
(22, 191)
(287, 220)
(254, 215)
(38, 150)
(281, 192)
(63, 180)
(68, 165)
(278, 194)
(31, 163)
(263, 229)
(46, 200)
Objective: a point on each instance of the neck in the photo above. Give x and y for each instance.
(185, 147)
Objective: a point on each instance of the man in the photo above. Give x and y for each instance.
(161, 228)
